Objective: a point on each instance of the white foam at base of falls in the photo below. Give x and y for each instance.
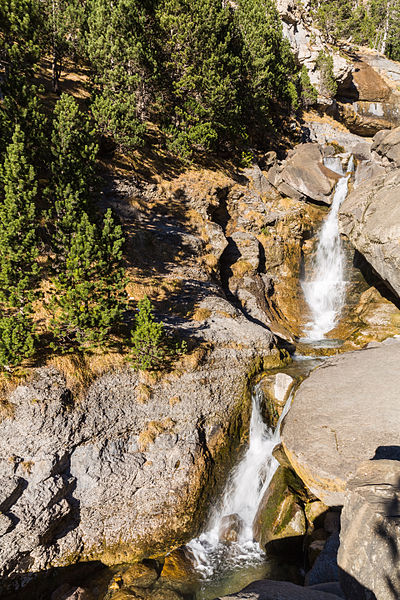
(325, 288)
(244, 491)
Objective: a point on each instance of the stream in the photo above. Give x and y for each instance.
(223, 567)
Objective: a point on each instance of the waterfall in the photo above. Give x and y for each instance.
(325, 288)
(243, 493)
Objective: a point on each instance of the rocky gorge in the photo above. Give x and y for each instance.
(106, 478)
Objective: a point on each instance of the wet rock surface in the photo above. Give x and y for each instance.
(370, 533)
(344, 429)
(280, 515)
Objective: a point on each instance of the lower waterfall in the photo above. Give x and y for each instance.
(243, 493)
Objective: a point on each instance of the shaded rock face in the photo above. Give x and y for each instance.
(370, 218)
(265, 238)
(333, 423)
(367, 102)
(370, 534)
(302, 175)
(279, 590)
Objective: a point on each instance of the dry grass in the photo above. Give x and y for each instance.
(152, 431)
(210, 260)
(174, 400)
(8, 383)
(80, 371)
(143, 393)
(201, 314)
(190, 362)
(241, 267)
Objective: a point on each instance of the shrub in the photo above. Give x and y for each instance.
(324, 64)
(148, 339)
(308, 93)
(17, 339)
(151, 348)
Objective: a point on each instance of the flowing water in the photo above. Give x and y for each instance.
(325, 287)
(219, 564)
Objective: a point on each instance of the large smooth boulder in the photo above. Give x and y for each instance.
(303, 176)
(370, 218)
(340, 415)
(279, 590)
(370, 536)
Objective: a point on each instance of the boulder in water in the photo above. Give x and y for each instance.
(178, 567)
(230, 528)
(139, 575)
(303, 176)
(280, 516)
(276, 389)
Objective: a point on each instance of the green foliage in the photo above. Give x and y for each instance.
(375, 23)
(269, 61)
(18, 230)
(247, 159)
(18, 253)
(308, 93)
(17, 339)
(64, 23)
(73, 165)
(19, 36)
(73, 151)
(89, 293)
(203, 63)
(147, 339)
(120, 49)
(324, 64)
(151, 348)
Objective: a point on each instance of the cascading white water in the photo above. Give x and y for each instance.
(325, 288)
(242, 497)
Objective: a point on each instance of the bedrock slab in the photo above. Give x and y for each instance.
(370, 532)
(347, 411)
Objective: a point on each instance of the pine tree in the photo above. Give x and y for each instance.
(20, 33)
(17, 338)
(73, 151)
(203, 63)
(18, 229)
(73, 174)
(19, 37)
(89, 293)
(147, 340)
(120, 46)
(18, 254)
(64, 28)
(269, 61)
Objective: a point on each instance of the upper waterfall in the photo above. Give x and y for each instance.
(325, 287)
